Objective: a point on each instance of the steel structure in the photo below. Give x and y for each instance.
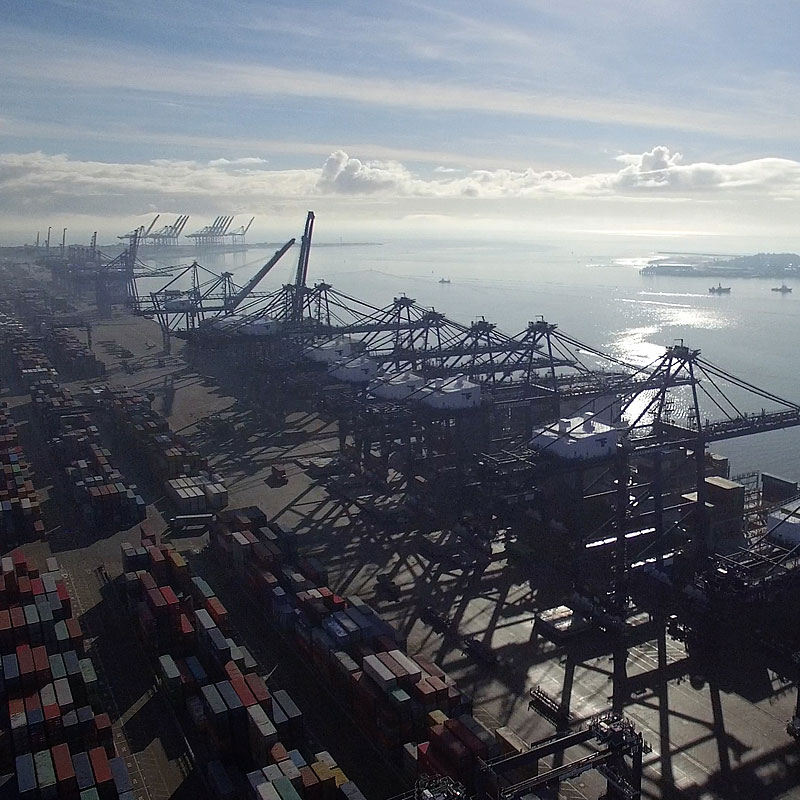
(212, 235)
(169, 235)
(615, 750)
(182, 308)
(139, 234)
(238, 235)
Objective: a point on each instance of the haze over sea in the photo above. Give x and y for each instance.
(594, 292)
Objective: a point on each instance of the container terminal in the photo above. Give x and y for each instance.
(289, 544)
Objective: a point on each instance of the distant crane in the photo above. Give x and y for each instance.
(212, 235)
(302, 270)
(237, 236)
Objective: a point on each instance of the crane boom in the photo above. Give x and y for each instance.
(248, 225)
(151, 224)
(253, 282)
(302, 269)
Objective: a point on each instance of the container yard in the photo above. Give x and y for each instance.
(311, 549)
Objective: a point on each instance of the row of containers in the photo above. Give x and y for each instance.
(404, 704)
(249, 738)
(46, 315)
(52, 743)
(20, 511)
(180, 469)
(87, 474)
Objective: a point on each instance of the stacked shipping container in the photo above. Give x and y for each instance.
(50, 737)
(96, 486)
(251, 737)
(20, 514)
(407, 705)
(169, 457)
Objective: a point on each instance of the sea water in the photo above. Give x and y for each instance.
(593, 292)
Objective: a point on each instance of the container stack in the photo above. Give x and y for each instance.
(170, 458)
(407, 705)
(250, 736)
(70, 356)
(52, 740)
(167, 454)
(20, 513)
(98, 489)
(31, 363)
(204, 492)
(90, 479)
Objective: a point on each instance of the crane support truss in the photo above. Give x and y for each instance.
(617, 754)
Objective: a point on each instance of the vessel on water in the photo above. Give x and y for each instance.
(447, 280)
(783, 289)
(719, 289)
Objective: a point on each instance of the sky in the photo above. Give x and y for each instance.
(573, 118)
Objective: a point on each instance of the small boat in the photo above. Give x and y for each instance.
(783, 289)
(447, 280)
(720, 289)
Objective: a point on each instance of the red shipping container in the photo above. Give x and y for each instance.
(100, 766)
(251, 537)
(429, 667)
(311, 785)
(259, 689)
(171, 599)
(63, 596)
(278, 753)
(5, 625)
(232, 671)
(440, 687)
(218, 612)
(243, 691)
(104, 733)
(20, 564)
(41, 663)
(425, 693)
(62, 763)
(32, 702)
(17, 620)
(147, 580)
(338, 603)
(37, 587)
(25, 659)
(52, 717)
(74, 630)
(24, 585)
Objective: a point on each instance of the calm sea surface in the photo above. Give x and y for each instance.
(594, 294)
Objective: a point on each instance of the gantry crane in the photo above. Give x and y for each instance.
(209, 295)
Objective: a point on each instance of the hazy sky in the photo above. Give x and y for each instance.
(541, 116)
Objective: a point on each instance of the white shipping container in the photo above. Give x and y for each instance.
(381, 674)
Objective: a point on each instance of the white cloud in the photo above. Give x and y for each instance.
(38, 183)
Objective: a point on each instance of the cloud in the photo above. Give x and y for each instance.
(662, 170)
(40, 183)
(122, 68)
(237, 162)
(346, 175)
